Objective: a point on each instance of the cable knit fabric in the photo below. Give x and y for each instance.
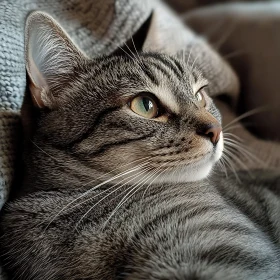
(99, 27)
(9, 122)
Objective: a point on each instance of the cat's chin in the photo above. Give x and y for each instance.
(193, 173)
(197, 171)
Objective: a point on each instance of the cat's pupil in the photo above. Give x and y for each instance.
(148, 104)
(144, 106)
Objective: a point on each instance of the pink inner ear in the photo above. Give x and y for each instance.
(49, 53)
(37, 83)
(36, 95)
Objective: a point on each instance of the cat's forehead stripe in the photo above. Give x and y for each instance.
(170, 64)
(166, 98)
(167, 66)
(197, 86)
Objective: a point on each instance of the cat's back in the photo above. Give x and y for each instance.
(179, 229)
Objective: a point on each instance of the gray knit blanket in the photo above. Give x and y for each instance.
(100, 26)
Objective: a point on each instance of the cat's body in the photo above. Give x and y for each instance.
(115, 185)
(219, 230)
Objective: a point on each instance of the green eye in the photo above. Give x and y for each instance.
(200, 98)
(144, 106)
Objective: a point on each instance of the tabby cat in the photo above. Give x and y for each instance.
(118, 182)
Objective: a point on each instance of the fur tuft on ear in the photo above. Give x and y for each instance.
(50, 55)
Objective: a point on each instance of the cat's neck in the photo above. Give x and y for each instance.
(52, 169)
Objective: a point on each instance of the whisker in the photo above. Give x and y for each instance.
(122, 49)
(233, 135)
(222, 163)
(247, 114)
(94, 188)
(176, 169)
(189, 56)
(44, 151)
(133, 176)
(140, 62)
(234, 54)
(134, 46)
(103, 175)
(232, 127)
(137, 182)
(132, 53)
(219, 168)
(118, 168)
(127, 197)
(245, 150)
(99, 201)
(161, 172)
(225, 36)
(123, 200)
(228, 161)
(230, 152)
(249, 156)
(183, 58)
(192, 67)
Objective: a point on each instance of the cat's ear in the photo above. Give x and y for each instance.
(167, 34)
(50, 56)
(162, 32)
(136, 42)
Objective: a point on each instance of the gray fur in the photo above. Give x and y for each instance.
(151, 222)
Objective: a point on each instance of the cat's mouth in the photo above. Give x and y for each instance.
(185, 168)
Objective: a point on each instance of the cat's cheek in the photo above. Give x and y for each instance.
(219, 149)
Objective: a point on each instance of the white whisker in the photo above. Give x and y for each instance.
(189, 56)
(126, 197)
(161, 172)
(193, 64)
(228, 161)
(247, 114)
(232, 127)
(230, 152)
(233, 135)
(225, 36)
(133, 176)
(246, 150)
(103, 198)
(45, 151)
(95, 187)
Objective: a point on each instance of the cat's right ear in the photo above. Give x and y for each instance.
(166, 34)
(50, 56)
(161, 32)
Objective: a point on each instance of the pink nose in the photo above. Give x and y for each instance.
(212, 132)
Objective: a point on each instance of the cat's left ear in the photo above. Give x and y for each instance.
(51, 57)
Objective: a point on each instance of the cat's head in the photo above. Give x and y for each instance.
(144, 110)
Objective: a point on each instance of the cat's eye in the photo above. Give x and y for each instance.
(199, 96)
(145, 106)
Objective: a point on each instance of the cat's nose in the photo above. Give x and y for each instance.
(212, 132)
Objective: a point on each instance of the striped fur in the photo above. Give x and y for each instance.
(217, 230)
(158, 214)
